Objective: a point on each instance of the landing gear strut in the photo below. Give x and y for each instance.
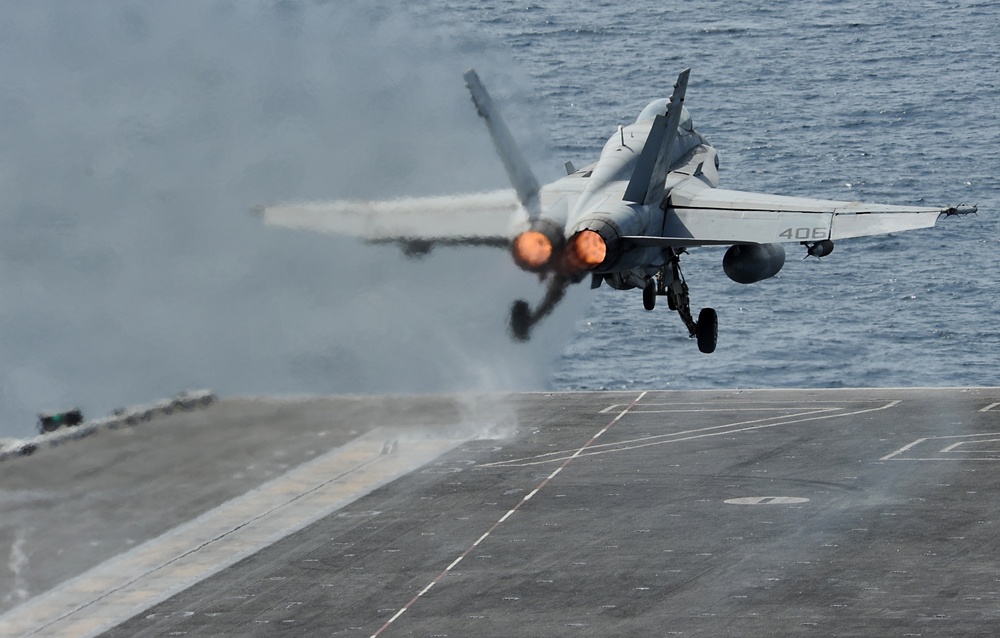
(670, 282)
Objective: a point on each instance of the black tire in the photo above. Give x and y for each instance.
(520, 320)
(649, 296)
(708, 330)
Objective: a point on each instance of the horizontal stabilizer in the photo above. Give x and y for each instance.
(471, 219)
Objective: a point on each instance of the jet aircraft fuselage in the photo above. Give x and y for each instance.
(624, 220)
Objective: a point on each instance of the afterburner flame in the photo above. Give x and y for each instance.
(532, 249)
(587, 250)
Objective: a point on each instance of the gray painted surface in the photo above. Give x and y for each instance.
(725, 513)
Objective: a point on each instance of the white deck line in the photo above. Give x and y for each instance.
(132, 582)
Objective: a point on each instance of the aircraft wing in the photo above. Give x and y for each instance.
(700, 215)
(479, 219)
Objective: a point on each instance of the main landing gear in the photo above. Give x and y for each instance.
(669, 281)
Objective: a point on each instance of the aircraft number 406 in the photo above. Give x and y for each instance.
(804, 234)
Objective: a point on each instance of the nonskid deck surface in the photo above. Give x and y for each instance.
(792, 512)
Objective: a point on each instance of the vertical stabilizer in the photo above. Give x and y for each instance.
(649, 177)
(518, 171)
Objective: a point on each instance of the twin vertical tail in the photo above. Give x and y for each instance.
(535, 248)
(518, 171)
(648, 182)
(538, 247)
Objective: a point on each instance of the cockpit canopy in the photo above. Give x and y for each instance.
(659, 107)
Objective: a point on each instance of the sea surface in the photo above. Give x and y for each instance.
(883, 102)
(136, 138)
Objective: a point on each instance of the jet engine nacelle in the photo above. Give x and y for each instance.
(596, 240)
(750, 263)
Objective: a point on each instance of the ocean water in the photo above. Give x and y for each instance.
(137, 137)
(883, 102)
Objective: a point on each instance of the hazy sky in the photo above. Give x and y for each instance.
(137, 137)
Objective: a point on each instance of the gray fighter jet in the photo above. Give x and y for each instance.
(624, 220)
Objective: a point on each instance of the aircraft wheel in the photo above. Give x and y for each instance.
(520, 320)
(708, 330)
(649, 296)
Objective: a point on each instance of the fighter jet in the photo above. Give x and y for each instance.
(624, 220)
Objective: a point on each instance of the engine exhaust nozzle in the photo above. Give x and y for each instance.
(586, 250)
(532, 250)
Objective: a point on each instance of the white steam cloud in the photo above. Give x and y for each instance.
(134, 139)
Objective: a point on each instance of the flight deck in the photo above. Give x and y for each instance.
(849, 512)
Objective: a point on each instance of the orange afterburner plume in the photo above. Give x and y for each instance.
(532, 250)
(586, 250)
